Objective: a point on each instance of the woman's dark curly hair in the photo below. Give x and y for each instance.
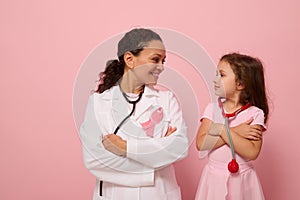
(133, 41)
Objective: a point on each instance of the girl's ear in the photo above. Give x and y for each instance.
(129, 59)
(239, 86)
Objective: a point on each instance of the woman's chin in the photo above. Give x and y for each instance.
(152, 82)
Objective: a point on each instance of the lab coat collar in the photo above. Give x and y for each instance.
(115, 95)
(150, 91)
(148, 100)
(111, 93)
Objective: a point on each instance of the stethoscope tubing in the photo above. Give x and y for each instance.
(229, 138)
(125, 119)
(132, 110)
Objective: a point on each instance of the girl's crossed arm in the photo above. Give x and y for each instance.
(247, 148)
(206, 139)
(247, 138)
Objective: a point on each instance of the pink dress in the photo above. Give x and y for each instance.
(216, 181)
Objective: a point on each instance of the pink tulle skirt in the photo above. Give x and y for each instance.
(218, 183)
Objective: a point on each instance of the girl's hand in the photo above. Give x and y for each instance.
(115, 144)
(250, 132)
(170, 130)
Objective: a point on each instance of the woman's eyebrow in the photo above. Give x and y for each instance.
(157, 54)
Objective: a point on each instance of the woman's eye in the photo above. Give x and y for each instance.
(156, 60)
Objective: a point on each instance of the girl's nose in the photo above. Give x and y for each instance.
(216, 80)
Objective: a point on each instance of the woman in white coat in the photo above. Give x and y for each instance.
(133, 133)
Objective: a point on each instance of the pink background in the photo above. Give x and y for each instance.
(43, 44)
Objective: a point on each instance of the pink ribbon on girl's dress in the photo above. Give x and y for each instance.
(155, 118)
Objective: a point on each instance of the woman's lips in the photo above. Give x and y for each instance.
(156, 75)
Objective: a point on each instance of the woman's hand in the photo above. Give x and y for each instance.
(250, 132)
(115, 144)
(170, 130)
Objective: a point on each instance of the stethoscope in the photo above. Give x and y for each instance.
(133, 107)
(233, 166)
(124, 120)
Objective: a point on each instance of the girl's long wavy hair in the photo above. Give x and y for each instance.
(133, 41)
(250, 73)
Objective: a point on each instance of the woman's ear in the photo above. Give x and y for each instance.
(129, 59)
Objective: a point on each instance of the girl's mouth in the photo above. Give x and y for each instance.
(216, 87)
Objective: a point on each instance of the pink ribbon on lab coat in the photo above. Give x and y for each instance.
(155, 118)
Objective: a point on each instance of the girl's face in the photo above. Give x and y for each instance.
(148, 65)
(225, 82)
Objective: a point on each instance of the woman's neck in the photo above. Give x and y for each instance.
(130, 86)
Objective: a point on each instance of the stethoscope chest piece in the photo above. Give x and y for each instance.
(233, 166)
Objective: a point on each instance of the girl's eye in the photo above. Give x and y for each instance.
(220, 74)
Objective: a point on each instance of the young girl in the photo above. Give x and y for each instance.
(240, 86)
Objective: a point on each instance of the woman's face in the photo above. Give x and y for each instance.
(225, 81)
(148, 65)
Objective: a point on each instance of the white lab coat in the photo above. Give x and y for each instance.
(147, 171)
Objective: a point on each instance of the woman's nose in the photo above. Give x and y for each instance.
(160, 67)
